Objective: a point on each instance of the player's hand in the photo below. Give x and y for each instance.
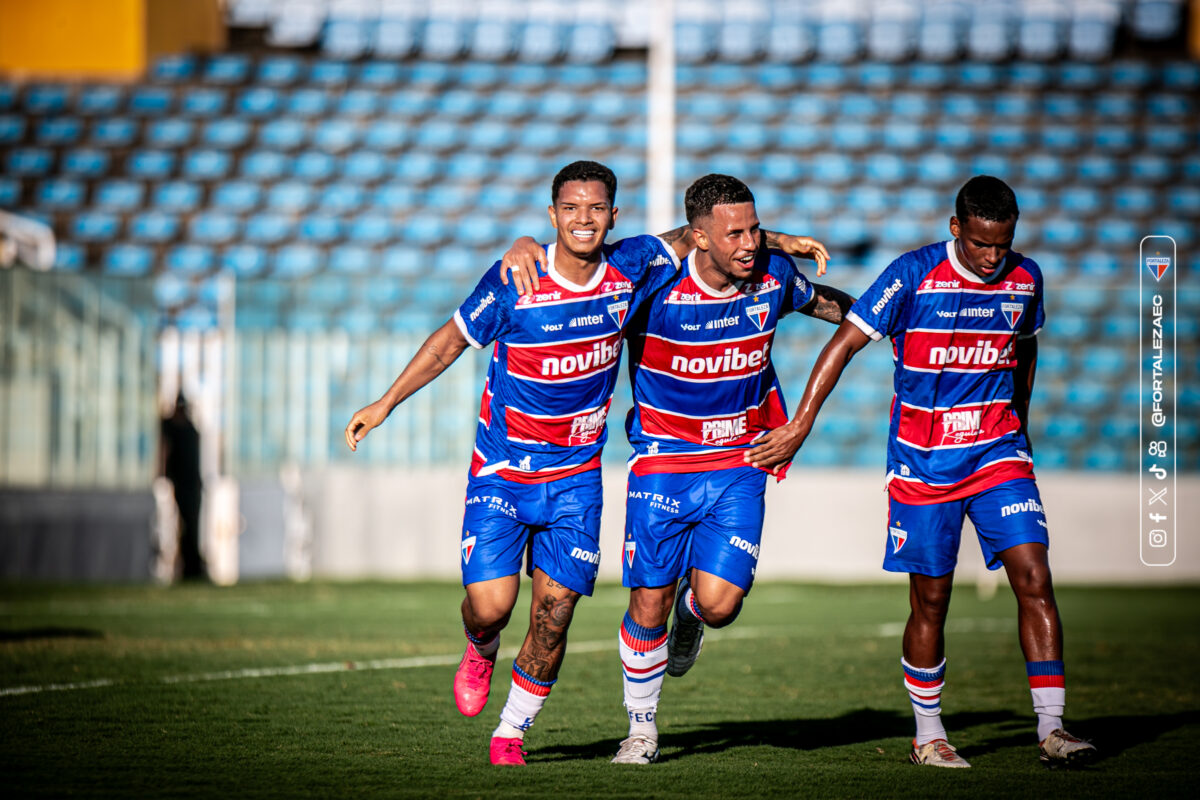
(523, 259)
(806, 247)
(776, 449)
(364, 420)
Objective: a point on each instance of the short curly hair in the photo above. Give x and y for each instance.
(714, 190)
(985, 197)
(585, 171)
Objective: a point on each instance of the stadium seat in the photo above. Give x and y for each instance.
(85, 163)
(33, 162)
(1044, 169)
(226, 69)
(340, 198)
(444, 39)
(150, 164)
(264, 165)
(365, 167)
(1079, 200)
(1078, 75)
(268, 228)
(403, 260)
(1113, 138)
(385, 135)
(320, 229)
(590, 42)
(1168, 138)
(46, 99)
(1181, 75)
(359, 103)
(214, 227)
(1117, 106)
(225, 134)
(69, 257)
(395, 197)
(189, 259)
(347, 38)
(203, 102)
(60, 194)
(120, 195)
(1097, 169)
(492, 40)
(788, 41)
(297, 261)
(1135, 200)
(938, 169)
(370, 229)
(1117, 232)
(259, 101)
(1062, 105)
(440, 134)
(351, 258)
(290, 196)
(236, 196)
(99, 101)
(128, 260)
(244, 261)
(10, 192)
(58, 131)
(171, 132)
(150, 102)
(173, 69)
(954, 136)
(419, 167)
(313, 166)
(154, 227)
(95, 226)
(177, 196)
(308, 102)
(280, 70)
(206, 165)
(1062, 139)
(394, 38)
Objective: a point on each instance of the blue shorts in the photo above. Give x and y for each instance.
(924, 538)
(708, 520)
(553, 526)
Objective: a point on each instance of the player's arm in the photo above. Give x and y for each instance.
(802, 246)
(779, 446)
(1027, 351)
(828, 303)
(439, 351)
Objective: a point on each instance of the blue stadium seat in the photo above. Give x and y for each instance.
(492, 40)
(1184, 200)
(954, 136)
(380, 74)
(120, 195)
(395, 197)
(46, 99)
(173, 69)
(444, 38)
(1079, 200)
(815, 200)
(99, 101)
(8, 96)
(1118, 106)
(410, 102)
(282, 134)
(150, 102)
(788, 41)
(1044, 169)
(32, 162)
(10, 192)
(341, 197)
(423, 228)
(296, 261)
(280, 70)
(259, 101)
(440, 134)
(456, 261)
(95, 226)
(171, 132)
(351, 258)
(590, 42)
(359, 103)
(1079, 75)
(372, 229)
(335, 135)
(308, 102)
(694, 41)
(394, 38)
(206, 165)
(236, 196)
(1168, 138)
(150, 164)
(1063, 232)
(228, 68)
(938, 169)
(1007, 137)
(244, 261)
(1099, 263)
(403, 260)
(268, 228)
(1097, 169)
(264, 165)
(1113, 138)
(204, 102)
(886, 168)
(386, 135)
(420, 167)
(1117, 232)
(505, 195)
(904, 135)
(59, 131)
(214, 227)
(1062, 104)
(313, 166)
(226, 134)
(69, 257)
(1062, 138)
(365, 166)
(128, 260)
(347, 38)
(177, 196)
(290, 196)
(154, 227)
(60, 194)
(1181, 75)
(172, 290)
(448, 197)
(330, 72)
(189, 259)
(320, 229)
(1135, 200)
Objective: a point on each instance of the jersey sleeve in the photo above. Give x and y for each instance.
(881, 310)
(799, 290)
(483, 316)
(646, 260)
(1032, 323)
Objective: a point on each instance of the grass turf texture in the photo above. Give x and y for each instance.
(802, 697)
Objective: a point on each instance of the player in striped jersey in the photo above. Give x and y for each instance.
(704, 390)
(962, 316)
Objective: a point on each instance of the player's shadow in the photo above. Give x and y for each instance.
(854, 727)
(33, 634)
(1111, 735)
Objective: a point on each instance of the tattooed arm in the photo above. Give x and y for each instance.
(439, 351)
(828, 303)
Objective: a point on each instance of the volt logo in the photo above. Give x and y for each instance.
(1012, 313)
(468, 547)
(758, 314)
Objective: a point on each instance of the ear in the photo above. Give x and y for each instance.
(612, 222)
(955, 228)
(553, 217)
(700, 238)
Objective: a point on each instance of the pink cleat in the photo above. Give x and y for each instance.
(507, 752)
(473, 681)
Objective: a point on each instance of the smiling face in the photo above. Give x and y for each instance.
(730, 236)
(583, 215)
(982, 244)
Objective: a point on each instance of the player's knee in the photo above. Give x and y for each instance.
(651, 607)
(720, 611)
(931, 604)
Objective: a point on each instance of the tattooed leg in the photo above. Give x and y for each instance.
(549, 617)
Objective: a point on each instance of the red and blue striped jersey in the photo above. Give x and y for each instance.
(555, 359)
(704, 386)
(953, 431)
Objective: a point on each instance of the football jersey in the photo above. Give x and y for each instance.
(554, 361)
(953, 429)
(704, 387)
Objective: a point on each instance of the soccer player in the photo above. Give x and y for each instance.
(534, 482)
(704, 390)
(962, 316)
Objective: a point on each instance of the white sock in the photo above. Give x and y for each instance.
(925, 692)
(526, 697)
(1048, 687)
(643, 667)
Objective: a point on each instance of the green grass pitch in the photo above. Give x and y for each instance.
(147, 691)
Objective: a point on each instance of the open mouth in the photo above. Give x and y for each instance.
(586, 236)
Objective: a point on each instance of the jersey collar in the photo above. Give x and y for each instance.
(592, 283)
(704, 287)
(952, 254)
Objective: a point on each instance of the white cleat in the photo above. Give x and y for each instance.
(1061, 749)
(637, 750)
(938, 753)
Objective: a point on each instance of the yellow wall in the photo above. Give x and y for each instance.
(110, 38)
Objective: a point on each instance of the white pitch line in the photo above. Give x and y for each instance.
(890, 629)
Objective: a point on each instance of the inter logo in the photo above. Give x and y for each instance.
(468, 547)
(630, 547)
(1012, 313)
(758, 314)
(618, 311)
(1158, 266)
(899, 537)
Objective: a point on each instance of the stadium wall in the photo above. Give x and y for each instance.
(821, 525)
